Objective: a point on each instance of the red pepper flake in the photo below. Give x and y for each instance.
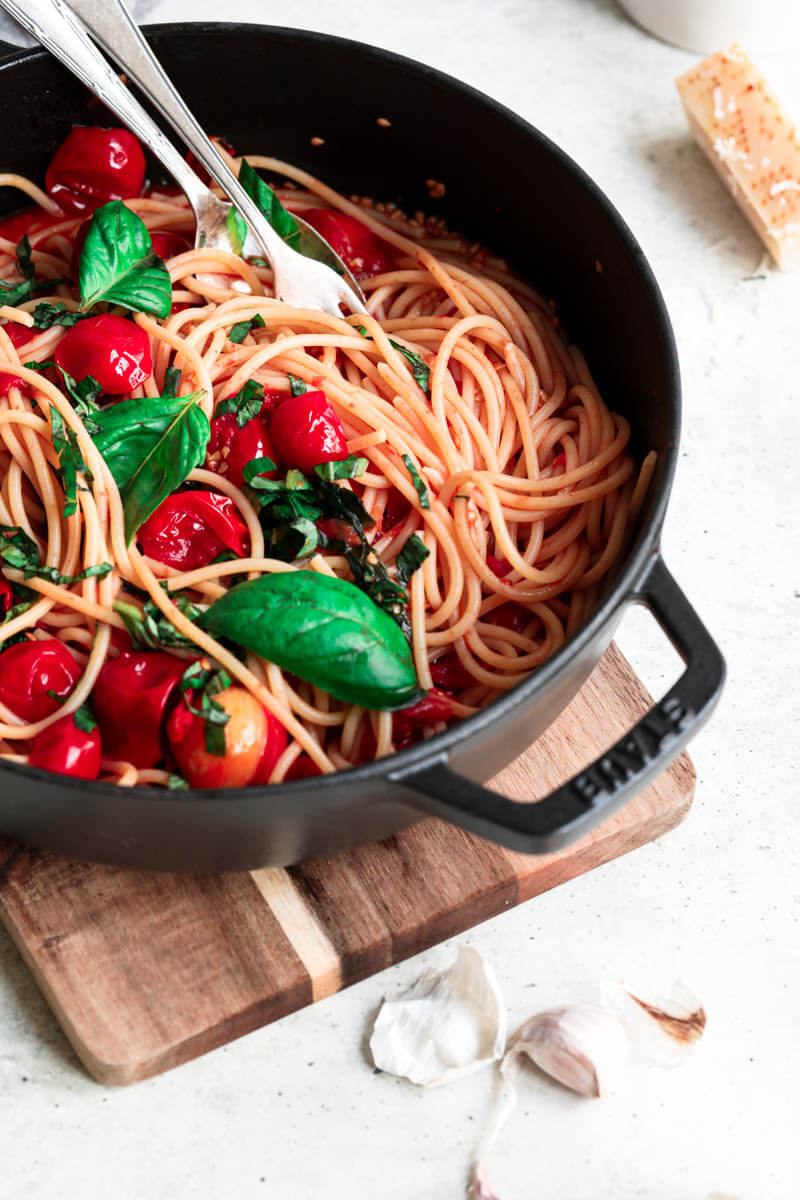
(384, 122)
(317, 141)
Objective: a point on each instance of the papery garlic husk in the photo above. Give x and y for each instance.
(664, 1029)
(446, 1025)
(580, 1045)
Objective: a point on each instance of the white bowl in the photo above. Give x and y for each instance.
(761, 26)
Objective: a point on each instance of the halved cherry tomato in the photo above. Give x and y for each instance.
(7, 382)
(167, 245)
(231, 448)
(450, 673)
(129, 700)
(277, 741)
(500, 566)
(306, 430)
(357, 246)
(245, 741)
(13, 226)
(18, 336)
(6, 596)
(408, 723)
(191, 529)
(30, 671)
(94, 165)
(510, 615)
(68, 750)
(303, 767)
(395, 511)
(113, 350)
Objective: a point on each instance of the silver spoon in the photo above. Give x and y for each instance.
(299, 280)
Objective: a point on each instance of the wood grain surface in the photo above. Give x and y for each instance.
(145, 970)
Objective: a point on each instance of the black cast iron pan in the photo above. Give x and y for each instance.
(270, 91)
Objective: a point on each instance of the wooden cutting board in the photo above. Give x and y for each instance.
(145, 970)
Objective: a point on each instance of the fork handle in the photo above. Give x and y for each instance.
(56, 26)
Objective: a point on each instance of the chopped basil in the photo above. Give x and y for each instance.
(419, 368)
(46, 315)
(255, 469)
(416, 479)
(20, 551)
(205, 683)
(344, 468)
(65, 444)
(172, 381)
(84, 719)
(13, 294)
(148, 627)
(119, 266)
(237, 230)
(262, 194)
(372, 577)
(240, 330)
(245, 405)
(176, 782)
(410, 558)
(298, 386)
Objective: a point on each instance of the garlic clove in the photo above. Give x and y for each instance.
(581, 1045)
(446, 1025)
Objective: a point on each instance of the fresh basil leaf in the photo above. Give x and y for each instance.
(263, 196)
(151, 446)
(205, 683)
(46, 315)
(253, 471)
(118, 264)
(84, 719)
(237, 230)
(240, 330)
(65, 444)
(20, 551)
(13, 294)
(299, 538)
(172, 381)
(255, 260)
(298, 386)
(149, 629)
(346, 468)
(410, 558)
(176, 782)
(245, 405)
(419, 368)
(416, 479)
(84, 395)
(324, 630)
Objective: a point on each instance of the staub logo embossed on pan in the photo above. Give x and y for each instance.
(651, 737)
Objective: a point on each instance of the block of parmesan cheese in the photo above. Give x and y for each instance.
(752, 143)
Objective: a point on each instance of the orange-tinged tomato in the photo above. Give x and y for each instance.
(245, 739)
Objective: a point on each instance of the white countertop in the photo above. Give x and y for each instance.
(294, 1110)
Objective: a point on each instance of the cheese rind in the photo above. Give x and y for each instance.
(751, 142)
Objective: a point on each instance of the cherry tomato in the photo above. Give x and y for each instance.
(191, 529)
(94, 165)
(129, 700)
(230, 448)
(500, 566)
(406, 724)
(277, 741)
(449, 672)
(18, 335)
(167, 245)
(6, 596)
(511, 616)
(113, 350)
(245, 742)
(68, 750)
(357, 246)
(7, 382)
(303, 767)
(13, 226)
(395, 511)
(305, 431)
(29, 671)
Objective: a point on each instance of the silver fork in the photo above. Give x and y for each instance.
(301, 280)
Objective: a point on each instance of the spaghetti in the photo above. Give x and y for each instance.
(483, 433)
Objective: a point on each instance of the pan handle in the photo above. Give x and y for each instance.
(620, 774)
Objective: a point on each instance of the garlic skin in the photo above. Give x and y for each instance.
(446, 1025)
(662, 1029)
(581, 1045)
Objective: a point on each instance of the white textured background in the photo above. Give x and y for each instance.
(294, 1110)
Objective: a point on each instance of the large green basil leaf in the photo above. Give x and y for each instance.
(262, 194)
(323, 629)
(118, 264)
(150, 447)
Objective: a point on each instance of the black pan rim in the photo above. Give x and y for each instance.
(639, 555)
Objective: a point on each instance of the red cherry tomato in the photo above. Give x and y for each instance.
(303, 767)
(129, 700)
(68, 750)
(31, 670)
(13, 226)
(395, 511)
(94, 165)
(277, 741)
(245, 742)
(167, 245)
(500, 566)
(511, 616)
(305, 431)
(408, 723)
(6, 596)
(357, 246)
(191, 529)
(7, 382)
(18, 335)
(113, 350)
(230, 448)
(450, 673)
